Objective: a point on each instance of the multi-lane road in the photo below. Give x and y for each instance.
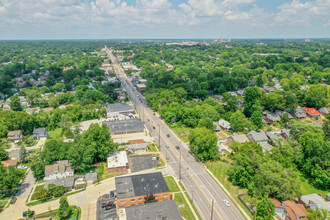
(202, 189)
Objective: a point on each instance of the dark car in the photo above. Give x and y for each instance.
(168, 135)
(106, 204)
(153, 127)
(13, 200)
(110, 207)
(112, 194)
(177, 147)
(26, 213)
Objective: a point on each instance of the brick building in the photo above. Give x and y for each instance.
(117, 162)
(134, 190)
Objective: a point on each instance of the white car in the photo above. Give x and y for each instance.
(226, 202)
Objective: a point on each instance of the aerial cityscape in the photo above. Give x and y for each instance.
(165, 110)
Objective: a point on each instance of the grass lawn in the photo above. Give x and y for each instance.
(3, 203)
(181, 131)
(191, 202)
(306, 188)
(153, 148)
(185, 211)
(298, 122)
(172, 185)
(55, 134)
(74, 214)
(36, 190)
(220, 169)
(107, 175)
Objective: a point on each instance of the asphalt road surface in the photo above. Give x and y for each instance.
(198, 183)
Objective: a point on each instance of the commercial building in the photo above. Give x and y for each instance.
(138, 189)
(117, 109)
(117, 162)
(138, 148)
(126, 128)
(156, 210)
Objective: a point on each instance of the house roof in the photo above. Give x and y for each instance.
(274, 117)
(67, 182)
(311, 111)
(125, 125)
(291, 215)
(137, 141)
(300, 113)
(119, 107)
(39, 131)
(265, 146)
(257, 136)
(60, 166)
(91, 177)
(277, 203)
(241, 138)
(324, 110)
(298, 209)
(7, 163)
(224, 123)
(13, 133)
(139, 185)
(315, 199)
(157, 210)
(137, 146)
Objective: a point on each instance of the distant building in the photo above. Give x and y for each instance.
(126, 128)
(271, 118)
(117, 162)
(141, 87)
(15, 136)
(289, 210)
(117, 109)
(60, 169)
(136, 189)
(40, 133)
(300, 113)
(312, 112)
(224, 125)
(314, 201)
(7, 163)
(257, 136)
(324, 111)
(156, 210)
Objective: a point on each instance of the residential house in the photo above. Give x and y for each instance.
(274, 136)
(240, 92)
(280, 113)
(269, 89)
(6, 107)
(143, 81)
(285, 133)
(60, 169)
(117, 162)
(138, 148)
(218, 98)
(314, 201)
(224, 125)
(299, 113)
(14, 154)
(240, 138)
(324, 111)
(134, 190)
(257, 136)
(40, 133)
(271, 118)
(10, 162)
(166, 210)
(232, 93)
(265, 146)
(15, 136)
(289, 210)
(239, 104)
(312, 112)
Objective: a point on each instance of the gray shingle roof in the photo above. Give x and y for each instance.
(241, 138)
(67, 182)
(119, 107)
(138, 185)
(257, 136)
(125, 125)
(157, 210)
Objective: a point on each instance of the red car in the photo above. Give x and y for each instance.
(106, 204)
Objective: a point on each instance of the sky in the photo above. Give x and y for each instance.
(163, 19)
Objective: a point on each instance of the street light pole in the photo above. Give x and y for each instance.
(212, 210)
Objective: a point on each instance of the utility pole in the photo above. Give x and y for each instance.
(212, 210)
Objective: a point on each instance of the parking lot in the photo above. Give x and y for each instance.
(102, 213)
(142, 162)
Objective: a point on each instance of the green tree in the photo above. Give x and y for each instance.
(64, 210)
(318, 214)
(265, 209)
(207, 123)
(285, 119)
(23, 154)
(38, 168)
(56, 191)
(238, 121)
(256, 119)
(42, 194)
(15, 103)
(3, 153)
(203, 143)
(53, 102)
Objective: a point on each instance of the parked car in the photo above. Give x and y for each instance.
(167, 146)
(153, 127)
(177, 147)
(168, 135)
(13, 200)
(112, 194)
(110, 207)
(106, 204)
